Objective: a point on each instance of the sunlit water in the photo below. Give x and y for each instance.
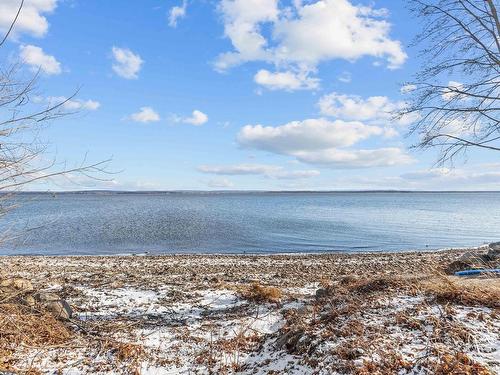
(114, 223)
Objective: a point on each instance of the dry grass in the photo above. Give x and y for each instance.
(25, 329)
(261, 293)
(22, 326)
(456, 363)
(338, 316)
(475, 292)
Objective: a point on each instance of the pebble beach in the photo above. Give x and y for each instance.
(365, 313)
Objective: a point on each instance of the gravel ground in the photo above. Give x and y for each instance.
(266, 314)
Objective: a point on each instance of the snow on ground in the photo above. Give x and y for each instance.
(189, 316)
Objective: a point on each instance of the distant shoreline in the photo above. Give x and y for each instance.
(145, 192)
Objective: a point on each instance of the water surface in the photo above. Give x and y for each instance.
(112, 223)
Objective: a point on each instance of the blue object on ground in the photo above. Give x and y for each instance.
(477, 272)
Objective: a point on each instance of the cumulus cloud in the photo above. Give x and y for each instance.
(307, 34)
(374, 109)
(74, 104)
(126, 63)
(197, 118)
(331, 29)
(405, 89)
(145, 114)
(287, 80)
(451, 93)
(36, 58)
(220, 183)
(239, 169)
(339, 159)
(32, 19)
(266, 170)
(242, 20)
(322, 142)
(176, 13)
(307, 135)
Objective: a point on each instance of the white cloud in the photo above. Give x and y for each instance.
(345, 77)
(126, 63)
(332, 29)
(302, 37)
(220, 183)
(296, 175)
(427, 174)
(38, 59)
(145, 114)
(475, 176)
(266, 170)
(307, 135)
(323, 142)
(405, 89)
(337, 158)
(176, 13)
(374, 109)
(242, 19)
(197, 118)
(287, 80)
(240, 169)
(456, 127)
(74, 104)
(32, 18)
(450, 92)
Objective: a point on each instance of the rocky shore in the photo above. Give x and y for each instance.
(376, 313)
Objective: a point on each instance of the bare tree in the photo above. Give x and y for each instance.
(455, 96)
(23, 155)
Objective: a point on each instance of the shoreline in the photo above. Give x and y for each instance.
(253, 254)
(250, 314)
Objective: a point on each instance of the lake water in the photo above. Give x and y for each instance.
(117, 223)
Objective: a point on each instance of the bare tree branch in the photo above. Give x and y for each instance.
(458, 87)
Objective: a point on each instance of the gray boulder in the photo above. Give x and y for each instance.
(493, 252)
(60, 309)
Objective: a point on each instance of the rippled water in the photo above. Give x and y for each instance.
(95, 223)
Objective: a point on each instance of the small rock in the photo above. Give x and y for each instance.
(116, 284)
(30, 301)
(295, 341)
(47, 297)
(323, 292)
(18, 283)
(60, 309)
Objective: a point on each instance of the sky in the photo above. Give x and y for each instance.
(232, 94)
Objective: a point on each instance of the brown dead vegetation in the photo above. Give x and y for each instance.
(338, 315)
(261, 293)
(27, 326)
(449, 289)
(342, 303)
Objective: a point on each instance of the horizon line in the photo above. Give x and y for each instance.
(245, 191)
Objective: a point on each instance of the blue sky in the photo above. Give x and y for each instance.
(233, 94)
